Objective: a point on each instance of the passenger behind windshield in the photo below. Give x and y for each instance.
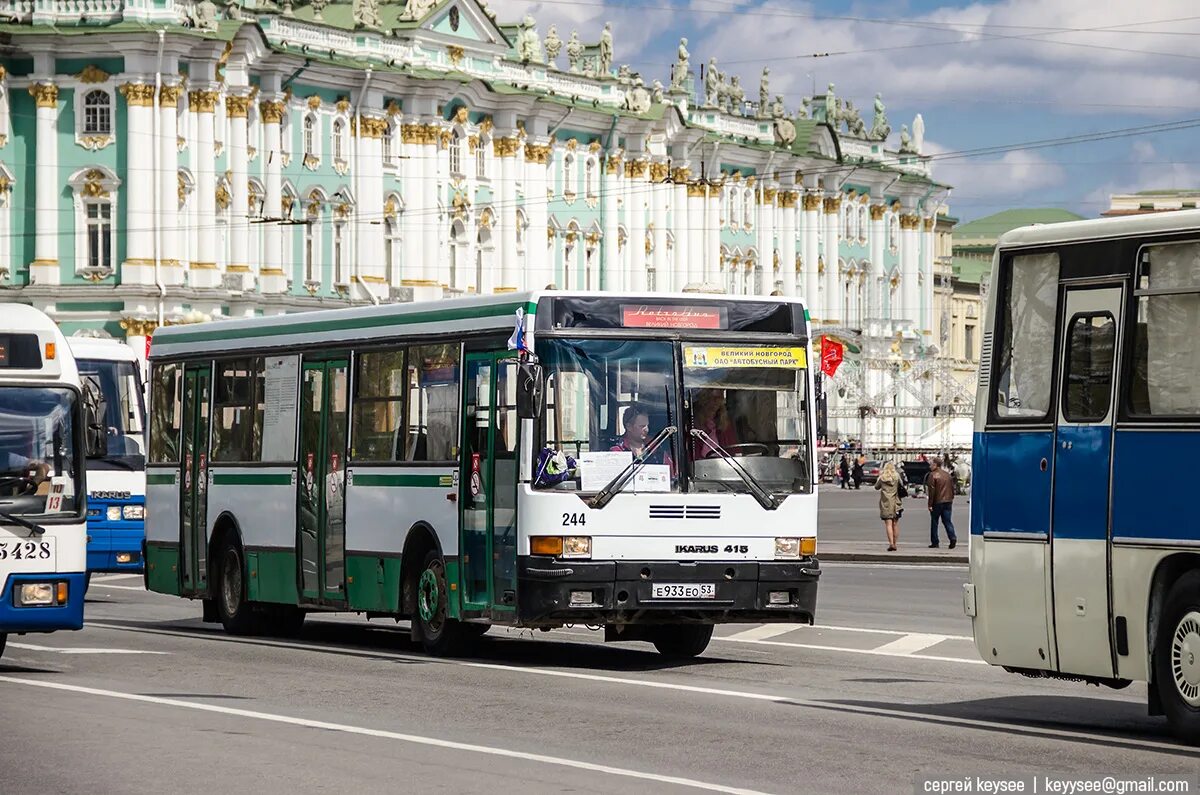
(711, 415)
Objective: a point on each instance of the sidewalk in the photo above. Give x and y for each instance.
(876, 552)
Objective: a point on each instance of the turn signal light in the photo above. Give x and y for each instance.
(546, 545)
(808, 546)
(51, 350)
(62, 593)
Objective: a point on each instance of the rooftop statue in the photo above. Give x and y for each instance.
(906, 147)
(854, 122)
(679, 70)
(606, 49)
(529, 47)
(764, 94)
(880, 129)
(417, 9)
(918, 134)
(554, 46)
(625, 74)
(712, 84)
(831, 114)
(737, 96)
(366, 14)
(204, 16)
(638, 99)
(657, 93)
(574, 52)
(318, 7)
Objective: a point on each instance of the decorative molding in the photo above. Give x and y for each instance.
(909, 222)
(612, 165)
(237, 106)
(390, 208)
(697, 190)
(271, 111)
(342, 105)
(812, 201)
(462, 115)
(372, 127)
(486, 125)
(659, 172)
(138, 95)
(314, 102)
(572, 144)
(767, 196)
(203, 101)
(393, 108)
(537, 153)
(788, 198)
(507, 147)
(636, 168)
(168, 96)
(311, 162)
(877, 211)
(927, 224)
(93, 187)
(223, 197)
(680, 175)
(93, 74)
(94, 143)
(832, 204)
(45, 94)
(594, 147)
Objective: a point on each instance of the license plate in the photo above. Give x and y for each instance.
(35, 554)
(665, 590)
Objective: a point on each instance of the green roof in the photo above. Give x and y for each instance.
(992, 226)
(1169, 192)
(971, 270)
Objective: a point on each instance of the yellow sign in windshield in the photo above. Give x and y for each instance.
(743, 356)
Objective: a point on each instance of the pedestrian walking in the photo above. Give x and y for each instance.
(891, 507)
(844, 471)
(940, 488)
(857, 473)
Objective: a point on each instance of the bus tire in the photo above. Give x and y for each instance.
(234, 612)
(682, 641)
(1177, 658)
(441, 635)
(3, 642)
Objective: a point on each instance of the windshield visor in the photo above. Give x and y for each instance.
(119, 385)
(39, 462)
(752, 402)
(607, 400)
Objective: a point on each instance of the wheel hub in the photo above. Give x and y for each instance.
(231, 584)
(428, 596)
(1185, 657)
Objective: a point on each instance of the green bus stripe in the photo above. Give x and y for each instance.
(349, 324)
(251, 479)
(160, 478)
(402, 481)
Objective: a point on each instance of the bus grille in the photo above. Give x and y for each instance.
(985, 362)
(685, 512)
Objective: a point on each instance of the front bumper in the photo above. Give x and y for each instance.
(38, 618)
(105, 543)
(622, 591)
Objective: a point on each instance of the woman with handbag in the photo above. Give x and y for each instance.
(890, 487)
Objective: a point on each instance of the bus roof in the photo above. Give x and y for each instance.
(108, 350)
(1099, 228)
(465, 315)
(55, 362)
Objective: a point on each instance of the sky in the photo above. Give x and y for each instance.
(990, 76)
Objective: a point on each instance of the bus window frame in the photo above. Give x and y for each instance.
(258, 366)
(151, 437)
(1064, 394)
(1125, 410)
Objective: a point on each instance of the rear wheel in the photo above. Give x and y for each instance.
(1177, 658)
(682, 641)
(440, 635)
(235, 613)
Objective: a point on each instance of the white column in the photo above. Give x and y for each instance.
(635, 214)
(44, 268)
(878, 233)
(237, 107)
(204, 268)
(812, 253)
(138, 267)
(509, 278)
(787, 245)
(612, 276)
(274, 279)
(712, 233)
(411, 178)
(928, 241)
(766, 239)
(660, 194)
(910, 302)
(831, 299)
(170, 229)
(697, 264)
(369, 209)
(537, 247)
(436, 267)
(680, 223)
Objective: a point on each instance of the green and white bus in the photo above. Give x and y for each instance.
(642, 463)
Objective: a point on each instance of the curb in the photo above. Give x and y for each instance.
(886, 557)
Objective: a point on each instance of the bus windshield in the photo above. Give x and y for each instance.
(606, 401)
(748, 403)
(120, 386)
(38, 454)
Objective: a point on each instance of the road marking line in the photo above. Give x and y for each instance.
(910, 644)
(107, 577)
(845, 564)
(122, 587)
(895, 632)
(68, 650)
(415, 739)
(763, 632)
(924, 717)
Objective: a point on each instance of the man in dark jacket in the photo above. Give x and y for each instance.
(940, 487)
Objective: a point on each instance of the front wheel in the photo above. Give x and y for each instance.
(441, 635)
(234, 612)
(682, 641)
(3, 642)
(1177, 658)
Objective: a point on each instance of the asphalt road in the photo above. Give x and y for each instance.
(887, 688)
(853, 515)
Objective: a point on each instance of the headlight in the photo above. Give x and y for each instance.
(787, 547)
(114, 513)
(133, 512)
(31, 594)
(577, 547)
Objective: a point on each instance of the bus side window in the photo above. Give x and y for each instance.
(1166, 357)
(1025, 366)
(165, 414)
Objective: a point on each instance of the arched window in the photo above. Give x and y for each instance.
(339, 139)
(310, 135)
(312, 238)
(863, 223)
(568, 175)
(735, 211)
(339, 253)
(849, 218)
(456, 152)
(388, 143)
(481, 157)
(748, 209)
(589, 177)
(97, 113)
(95, 196)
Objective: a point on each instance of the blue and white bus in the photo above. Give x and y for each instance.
(1085, 544)
(42, 493)
(116, 479)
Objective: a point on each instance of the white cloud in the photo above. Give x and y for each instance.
(1012, 175)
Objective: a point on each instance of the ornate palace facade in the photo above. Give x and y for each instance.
(165, 161)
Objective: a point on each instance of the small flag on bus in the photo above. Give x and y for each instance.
(517, 341)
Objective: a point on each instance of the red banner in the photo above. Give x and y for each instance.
(832, 354)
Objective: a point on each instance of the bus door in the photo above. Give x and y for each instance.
(488, 528)
(1080, 547)
(321, 486)
(193, 567)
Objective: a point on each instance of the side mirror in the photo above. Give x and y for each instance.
(94, 413)
(531, 391)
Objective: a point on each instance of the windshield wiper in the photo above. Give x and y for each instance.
(34, 529)
(764, 497)
(605, 495)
